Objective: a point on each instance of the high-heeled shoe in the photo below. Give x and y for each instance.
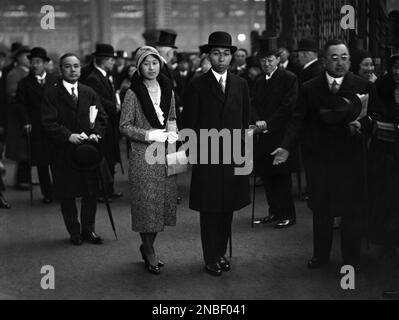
(150, 268)
(160, 262)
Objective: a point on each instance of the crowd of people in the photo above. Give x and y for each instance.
(322, 111)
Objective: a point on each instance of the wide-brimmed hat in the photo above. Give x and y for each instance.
(86, 156)
(219, 39)
(39, 52)
(268, 46)
(143, 53)
(341, 108)
(21, 50)
(104, 50)
(307, 45)
(167, 38)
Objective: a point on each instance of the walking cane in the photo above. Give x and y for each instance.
(230, 245)
(29, 147)
(253, 202)
(106, 200)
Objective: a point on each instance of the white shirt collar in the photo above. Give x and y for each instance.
(285, 64)
(103, 72)
(309, 64)
(331, 80)
(271, 75)
(69, 87)
(41, 77)
(218, 76)
(239, 68)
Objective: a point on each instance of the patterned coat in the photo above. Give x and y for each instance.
(153, 195)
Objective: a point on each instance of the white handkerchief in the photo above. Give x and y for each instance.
(93, 114)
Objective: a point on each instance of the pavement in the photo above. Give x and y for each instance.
(266, 263)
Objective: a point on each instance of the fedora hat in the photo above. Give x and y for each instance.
(21, 50)
(39, 52)
(167, 38)
(104, 50)
(341, 108)
(86, 156)
(267, 47)
(219, 39)
(307, 45)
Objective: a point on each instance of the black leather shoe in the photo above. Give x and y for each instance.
(4, 203)
(391, 294)
(214, 269)
(150, 268)
(285, 224)
(92, 237)
(76, 239)
(316, 263)
(224, 264)
(117, 195)
(266, 220)
(47, 200)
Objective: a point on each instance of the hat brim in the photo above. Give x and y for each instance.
(30, 57)
(160, 44)
(206, 48)
(107, 55)
(18, 53)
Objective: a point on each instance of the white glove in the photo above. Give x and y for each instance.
(172, 137)
(158, 135)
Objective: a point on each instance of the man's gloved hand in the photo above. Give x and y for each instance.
(172, 137)
(158, 135)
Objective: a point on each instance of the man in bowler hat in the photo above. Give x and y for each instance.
(102, 82)
(217, 100)
(333, 150)
(29, 99)
(308, 59)
(67, 122)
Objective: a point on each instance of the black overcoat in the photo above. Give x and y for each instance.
(216, 188)
(60, 118)
(28, 102)
(311, 72)
(273, 101)
(106, 93)
(333, 158)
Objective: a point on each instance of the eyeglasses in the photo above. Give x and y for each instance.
(266, 60)
(343, 58)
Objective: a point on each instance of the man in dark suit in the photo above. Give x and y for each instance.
(101, 81)
(311, 66)
(217, 100)
(166, 48)
(273, 102)
(286, 63)
(119, 70)
(66, 121)
(333, 151)
(29, 99)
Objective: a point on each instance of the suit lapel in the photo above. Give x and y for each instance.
(70, 108)
(215, 87)
(105, 81)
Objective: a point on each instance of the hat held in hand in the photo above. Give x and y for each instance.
(86, 156)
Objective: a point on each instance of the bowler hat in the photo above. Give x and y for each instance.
(167, 38)
(38, 52)
(341, 108)
(21, 50)
(85, 156)
(219, 39)
(307, 45)
(267, 47)
(104, 50)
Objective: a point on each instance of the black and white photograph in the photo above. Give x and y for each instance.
(199, 157)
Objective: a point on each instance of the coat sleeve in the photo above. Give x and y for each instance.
(102, 118)
(108, 105)
(127, 123)
(22, 103)
(49, 114)
(285, 109)
(254, 112)
(295, 124)
(191, 109)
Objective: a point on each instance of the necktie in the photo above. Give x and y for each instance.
(221, 83)
(74, 97)
(334, 87)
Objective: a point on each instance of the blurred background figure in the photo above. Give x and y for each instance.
(239, 64)
(286, 63)
(362, 64)
(118, 72)
(205, 66)
(252, 71)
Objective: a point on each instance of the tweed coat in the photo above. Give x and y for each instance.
(60, 118)
(28, 100)
(333, 158)
(153, 195)
(214, 187)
